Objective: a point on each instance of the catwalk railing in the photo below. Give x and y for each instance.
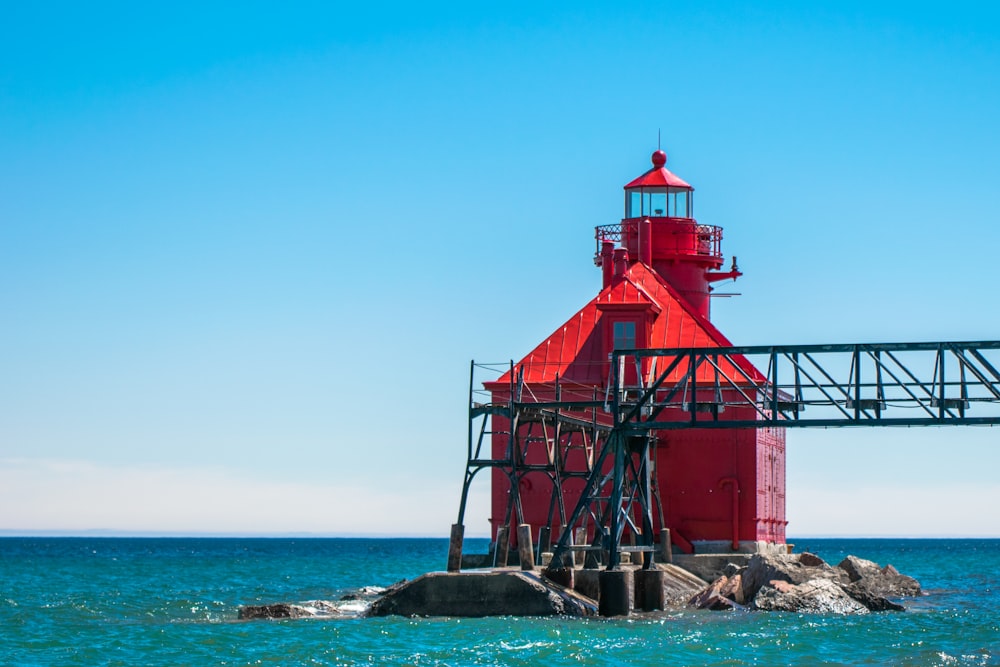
(895, 384)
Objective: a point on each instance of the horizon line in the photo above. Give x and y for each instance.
(389, 536)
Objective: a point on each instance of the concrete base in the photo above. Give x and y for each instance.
(476, 561)
(512, 592)
(587, 582)
(679, 584)
(675, 585)
(714, 547)
(711, 559)
(649, 589)
(484, 593)
(563, 576)
(709, 567)
(616, 592)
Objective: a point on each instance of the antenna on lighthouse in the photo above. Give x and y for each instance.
(658, 147)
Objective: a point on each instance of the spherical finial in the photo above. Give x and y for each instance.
(659, 159)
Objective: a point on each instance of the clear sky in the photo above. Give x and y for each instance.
(247, 251)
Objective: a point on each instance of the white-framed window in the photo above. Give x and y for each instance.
(623, 336)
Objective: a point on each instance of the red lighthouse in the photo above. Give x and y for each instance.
(716, 490)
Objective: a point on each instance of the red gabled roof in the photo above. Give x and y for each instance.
(659, 175)
(576, 354)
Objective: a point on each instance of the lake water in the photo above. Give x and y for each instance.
(167, 601)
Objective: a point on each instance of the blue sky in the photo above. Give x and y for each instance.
(247, 254)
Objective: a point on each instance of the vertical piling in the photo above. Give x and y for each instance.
(650, 594)
(524, 548)
(579, 538)
(569, 556)
(666, 550)
(455, 547)
(616, 592)
(544, 541)
(500, 549)
(592, 560)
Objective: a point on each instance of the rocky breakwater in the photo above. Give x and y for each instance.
(351, 605)
(806, 583)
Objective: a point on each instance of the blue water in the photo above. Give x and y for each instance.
(111, 601)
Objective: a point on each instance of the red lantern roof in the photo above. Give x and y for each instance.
(659, 176)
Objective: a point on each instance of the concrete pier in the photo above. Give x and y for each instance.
(564, 576)
(587, 582)
(557, 590)
(484, 593)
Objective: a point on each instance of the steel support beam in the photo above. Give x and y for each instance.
(803, 386)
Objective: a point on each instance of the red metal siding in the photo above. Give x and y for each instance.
(577, 351)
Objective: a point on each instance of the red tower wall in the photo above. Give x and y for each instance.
(698, 471)
(681, 251)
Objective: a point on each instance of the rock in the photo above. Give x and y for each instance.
(720, 595)
(282, 610)
(823, 596)
(707, 597)
(810, 560)
(716, 602)
(858, 568)
(899, 585)
(860, 591)
(279, 610)
(764, 568)
(879, 581)
(731, 569)
(806, 583)
(322, 608)
(734, 589)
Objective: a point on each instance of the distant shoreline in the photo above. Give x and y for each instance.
(4, 534)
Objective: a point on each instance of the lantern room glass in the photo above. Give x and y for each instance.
(659, 203)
